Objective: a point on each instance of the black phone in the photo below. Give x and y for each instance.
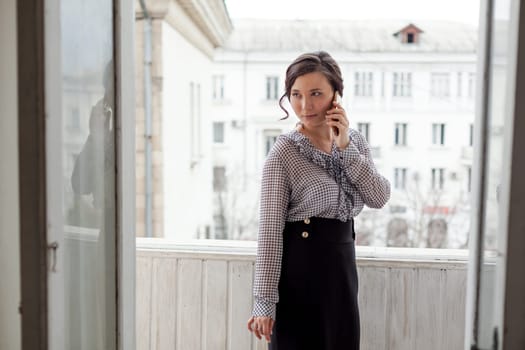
(337, 99)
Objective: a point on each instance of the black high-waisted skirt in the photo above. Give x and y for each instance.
(317, 308)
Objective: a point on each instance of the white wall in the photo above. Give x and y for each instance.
(187, 188)
(9, 215)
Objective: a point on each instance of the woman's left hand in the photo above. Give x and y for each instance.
(337, 120)
(261, 327)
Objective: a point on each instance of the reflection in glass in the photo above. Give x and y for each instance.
(89, 174)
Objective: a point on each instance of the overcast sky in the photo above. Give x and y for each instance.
(411, 10)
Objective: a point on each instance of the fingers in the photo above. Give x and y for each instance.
(337, 114)
(250, 323)
(267, 328)
(261, 326)
(254, 327)
(257, 333)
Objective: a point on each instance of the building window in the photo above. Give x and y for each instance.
(220, 226)
(397, 233)
(440, 85)
(469, 179)
(363, 84)
(402, 84)
(272, 88)
(195, 120)
(400, 175)
(382, 84)
(438, 178)
(364, 129)
(471, 135)
(218, 132)
(409, 34)
(218, 87)
(438, 134)
(270, 136)
(471, 84)
(219, 179)
(400, 134)
(437, 233)
(460, 85)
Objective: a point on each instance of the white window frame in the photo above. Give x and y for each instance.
(218, 87)
(269, 138)
(223, 187)
(402, 84)
(218, 132)
(440, 85)
(272, 88)
(437, 180)
(364, 129)
(400, 134)
(363, 84)
(400, 176)
(438, 134)
(471, 135)
(459, 86)
(471, 84)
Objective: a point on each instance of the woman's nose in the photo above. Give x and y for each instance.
(306, 103)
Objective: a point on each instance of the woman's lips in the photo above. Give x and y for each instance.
(310, 115)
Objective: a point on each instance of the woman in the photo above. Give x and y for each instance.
(315, 180)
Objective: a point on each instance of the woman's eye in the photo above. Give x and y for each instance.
(295, 94)
(317, 93)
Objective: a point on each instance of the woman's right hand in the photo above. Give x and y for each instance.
(261, 326)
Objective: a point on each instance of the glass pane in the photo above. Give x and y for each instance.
(88, 152)
(493, 174)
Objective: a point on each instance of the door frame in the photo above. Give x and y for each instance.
(509, 304)
(32, 174)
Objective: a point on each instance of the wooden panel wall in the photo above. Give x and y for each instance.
(192, 300)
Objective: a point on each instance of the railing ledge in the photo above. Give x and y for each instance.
(248, 249)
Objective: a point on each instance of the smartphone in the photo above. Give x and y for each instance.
(337, 99)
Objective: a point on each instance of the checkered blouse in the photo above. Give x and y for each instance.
(301, 181)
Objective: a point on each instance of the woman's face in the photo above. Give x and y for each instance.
(311, 96)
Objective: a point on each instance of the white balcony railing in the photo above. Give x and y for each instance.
(197, 295)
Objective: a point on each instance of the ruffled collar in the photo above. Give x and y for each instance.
(332, 165)
(312, 153)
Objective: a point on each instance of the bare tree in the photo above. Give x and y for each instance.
(236, 208)
(430, 213)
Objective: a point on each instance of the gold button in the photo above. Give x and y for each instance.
(307, 221)
(305, 234)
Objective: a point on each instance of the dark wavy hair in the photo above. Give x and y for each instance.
(318, 61)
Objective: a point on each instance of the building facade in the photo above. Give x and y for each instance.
(175, 40)
(409, 89)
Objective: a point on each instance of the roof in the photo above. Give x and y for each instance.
(409, 27)
(344, 35)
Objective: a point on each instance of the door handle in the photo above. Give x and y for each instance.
(52, 247)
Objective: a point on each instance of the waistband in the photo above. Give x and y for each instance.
(320, 230)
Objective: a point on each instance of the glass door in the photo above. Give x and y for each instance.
(486, 330)
(81, 174)
(88, 173)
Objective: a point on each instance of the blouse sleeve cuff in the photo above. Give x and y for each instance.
(262, 308)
